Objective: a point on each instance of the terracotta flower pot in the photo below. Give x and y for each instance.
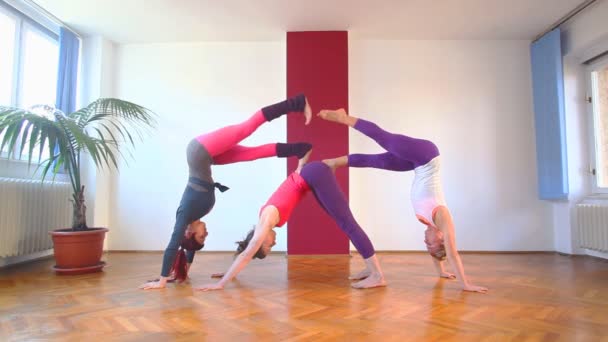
(78, 252)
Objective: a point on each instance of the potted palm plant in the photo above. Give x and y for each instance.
(100, 129)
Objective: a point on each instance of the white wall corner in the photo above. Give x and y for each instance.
(97, 81)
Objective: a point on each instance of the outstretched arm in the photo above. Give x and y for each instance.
(268, 220)
(444, 222)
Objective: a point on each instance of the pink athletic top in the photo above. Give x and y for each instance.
(287, 196)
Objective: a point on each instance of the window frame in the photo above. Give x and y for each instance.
(599, 64)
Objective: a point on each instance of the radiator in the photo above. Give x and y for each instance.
(28, 211)
(593, 226)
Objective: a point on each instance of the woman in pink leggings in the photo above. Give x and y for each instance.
(218, 147)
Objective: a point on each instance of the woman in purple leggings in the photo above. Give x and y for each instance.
(318, 178)
(405, 154)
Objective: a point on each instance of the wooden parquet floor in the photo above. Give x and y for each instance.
(533, 297)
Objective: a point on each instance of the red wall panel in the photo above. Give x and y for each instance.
(317, 65)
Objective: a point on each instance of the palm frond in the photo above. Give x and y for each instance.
(118, 111)
(15, 122)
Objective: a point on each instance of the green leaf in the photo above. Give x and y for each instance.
(43, 137)
(47, 165)
(14, 134)
(33, 140)
(24, 135)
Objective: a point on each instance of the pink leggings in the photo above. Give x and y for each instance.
(222, 144)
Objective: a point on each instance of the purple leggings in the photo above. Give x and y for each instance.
(404, 153)
(323, 184)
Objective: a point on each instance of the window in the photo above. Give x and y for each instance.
(7, 43)
(599, 106)
(40, 63)
(30, 61)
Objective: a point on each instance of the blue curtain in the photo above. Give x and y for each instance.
(68, 71)
(548, 92)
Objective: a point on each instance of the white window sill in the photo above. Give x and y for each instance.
(595, 199)
(14, 168)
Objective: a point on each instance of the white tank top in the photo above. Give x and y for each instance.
(427, 194)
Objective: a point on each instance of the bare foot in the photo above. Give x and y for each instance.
(332, 163)
(336, 162)
(338, 115)
(475, 288)
(361, 275)
(374, 280)
(307, 113)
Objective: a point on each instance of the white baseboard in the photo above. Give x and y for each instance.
(597, 254)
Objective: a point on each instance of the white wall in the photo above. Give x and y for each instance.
(474, 100)
(583, 36)
(195, 88)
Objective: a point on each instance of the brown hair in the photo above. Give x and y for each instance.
(191, 244)
(242, 245)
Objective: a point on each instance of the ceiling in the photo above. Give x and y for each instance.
(148, 21)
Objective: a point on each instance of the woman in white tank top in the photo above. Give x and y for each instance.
(405, 154)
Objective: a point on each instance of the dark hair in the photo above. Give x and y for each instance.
(179, 267)
(433, 239)
(242, 245)
(191, 244)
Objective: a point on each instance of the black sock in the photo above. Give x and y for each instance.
(293, 149)
(293, 104)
